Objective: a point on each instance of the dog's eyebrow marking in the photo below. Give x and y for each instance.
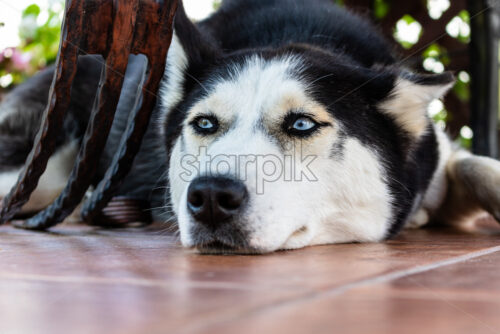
(300, 103)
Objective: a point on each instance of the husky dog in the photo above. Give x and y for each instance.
(280, 124)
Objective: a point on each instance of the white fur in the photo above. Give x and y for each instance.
(436, 192)
(171, 91)
(356, 204)
(51, 183)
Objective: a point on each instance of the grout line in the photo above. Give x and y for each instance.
(336, 291)
(412, 271)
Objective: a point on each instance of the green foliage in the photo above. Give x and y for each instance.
(216, 4)
(381, 8)
(442, 116)
(462, 90)
(464, 37)
(40, 40)
(464, 142)
(31, 10)
(437, 52)
(39, 34)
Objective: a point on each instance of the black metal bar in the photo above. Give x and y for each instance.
(122, 160)
(484, 77)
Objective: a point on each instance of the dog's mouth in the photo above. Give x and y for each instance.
(221, 248)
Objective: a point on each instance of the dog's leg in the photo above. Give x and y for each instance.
(474, 187)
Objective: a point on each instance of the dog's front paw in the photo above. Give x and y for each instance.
(419, 219)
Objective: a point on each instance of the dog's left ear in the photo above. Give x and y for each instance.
(198, 45)
(410, 97)
(191, 54)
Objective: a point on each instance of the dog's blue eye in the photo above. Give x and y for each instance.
(205, 125)
(303, 124)
(300, 125)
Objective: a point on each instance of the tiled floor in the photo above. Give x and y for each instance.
(81, 280)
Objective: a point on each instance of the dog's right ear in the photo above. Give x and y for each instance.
(198, 46)
(411, 96)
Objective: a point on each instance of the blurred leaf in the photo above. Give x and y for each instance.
(437, 53)
(33, 10)
(433, 51)
(441, 116)
(464, 142)
(462, 90)
(464, 15)
(408, 19)
(381, 8)
(465, 37)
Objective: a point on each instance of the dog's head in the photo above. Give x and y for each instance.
(279, 149)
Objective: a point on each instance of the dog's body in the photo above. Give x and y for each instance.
(299, 85)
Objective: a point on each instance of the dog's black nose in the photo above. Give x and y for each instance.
(213, 200)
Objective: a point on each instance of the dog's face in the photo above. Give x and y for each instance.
(289, 149)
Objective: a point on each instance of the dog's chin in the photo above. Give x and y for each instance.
(220, 248)
(216, 245)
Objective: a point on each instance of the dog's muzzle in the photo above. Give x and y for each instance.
(215, 203)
